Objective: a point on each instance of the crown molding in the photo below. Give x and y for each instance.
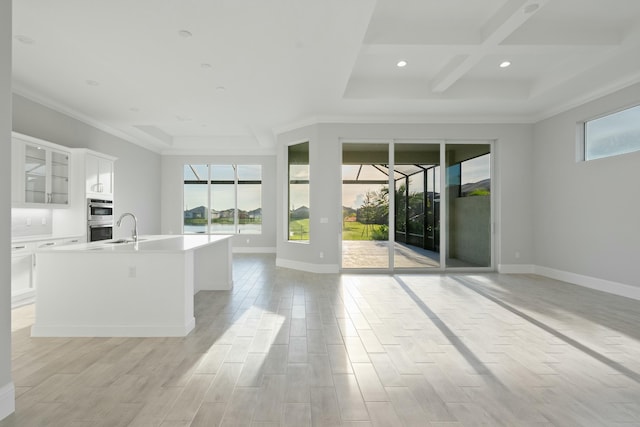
(594, 95)
(147, 143)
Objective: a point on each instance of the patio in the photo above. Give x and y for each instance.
(366, 254)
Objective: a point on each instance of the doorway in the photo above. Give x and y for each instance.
(433, 218)
(365, 206)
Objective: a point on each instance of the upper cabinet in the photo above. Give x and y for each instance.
(40, 172)
(99, 174)
(48, 175)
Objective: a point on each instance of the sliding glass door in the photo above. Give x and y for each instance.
(417, 205)
(434, 218)
(365, 206)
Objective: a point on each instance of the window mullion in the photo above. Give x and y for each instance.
(209, 201)
(235, 194)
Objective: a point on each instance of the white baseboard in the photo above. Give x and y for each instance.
(306, 266)
(615, 288)
(113, 331)
(7, 400)
(252, 250)
(516, 268)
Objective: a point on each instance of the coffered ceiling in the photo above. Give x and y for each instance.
(201, 75)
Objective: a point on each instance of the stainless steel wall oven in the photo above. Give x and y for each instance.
(99, 219)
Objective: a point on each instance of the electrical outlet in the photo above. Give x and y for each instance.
(321, 254)
(28, 222)
(44, 220)
(132, 272)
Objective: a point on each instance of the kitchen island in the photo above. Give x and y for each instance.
(123, 288)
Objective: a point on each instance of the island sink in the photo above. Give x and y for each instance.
(121, 241)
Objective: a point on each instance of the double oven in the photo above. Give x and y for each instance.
(99, 219)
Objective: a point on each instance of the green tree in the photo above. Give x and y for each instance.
(374, 213)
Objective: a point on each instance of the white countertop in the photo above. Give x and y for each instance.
(151, 243)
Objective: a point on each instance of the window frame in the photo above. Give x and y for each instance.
(582, 135)
(289, 182)
(210, 182)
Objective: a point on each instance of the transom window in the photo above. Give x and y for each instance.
(613, 134)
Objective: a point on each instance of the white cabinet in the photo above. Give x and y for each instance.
(23, 262)
(21, 273)
(40, 173)
(99, 175)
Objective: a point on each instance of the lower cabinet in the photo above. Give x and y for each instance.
(23, 258)
(22, 291)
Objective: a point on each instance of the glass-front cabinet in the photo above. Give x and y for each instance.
(41, 173)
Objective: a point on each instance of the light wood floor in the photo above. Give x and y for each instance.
(286, 348)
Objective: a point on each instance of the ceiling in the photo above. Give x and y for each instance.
(200, 75)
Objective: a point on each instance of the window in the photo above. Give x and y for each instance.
(196, 200)
(248, 199)
(298, 159)
(222, 199)
(613, 134)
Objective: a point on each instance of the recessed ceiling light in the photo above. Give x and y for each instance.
(184, 118)
(221, 88)
(134, 109)
(505, 64)
(206, 66)
(184, 33)
(92, 83)
(530, 8)
(24, 39)
(402, 64)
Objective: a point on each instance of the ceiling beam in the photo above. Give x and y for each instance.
(508, 19)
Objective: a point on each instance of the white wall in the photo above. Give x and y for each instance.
(513, 184)
(7, 394)
(137, 170)
(586, 213)
(300, 255)
(172, 197)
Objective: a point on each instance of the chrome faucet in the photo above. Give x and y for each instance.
(135, 225)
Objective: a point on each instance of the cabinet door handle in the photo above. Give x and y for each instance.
(19, 247)
(47, 244)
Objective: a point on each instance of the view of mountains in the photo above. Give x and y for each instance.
(484, 186)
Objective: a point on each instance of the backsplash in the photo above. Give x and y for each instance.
(31, 222)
